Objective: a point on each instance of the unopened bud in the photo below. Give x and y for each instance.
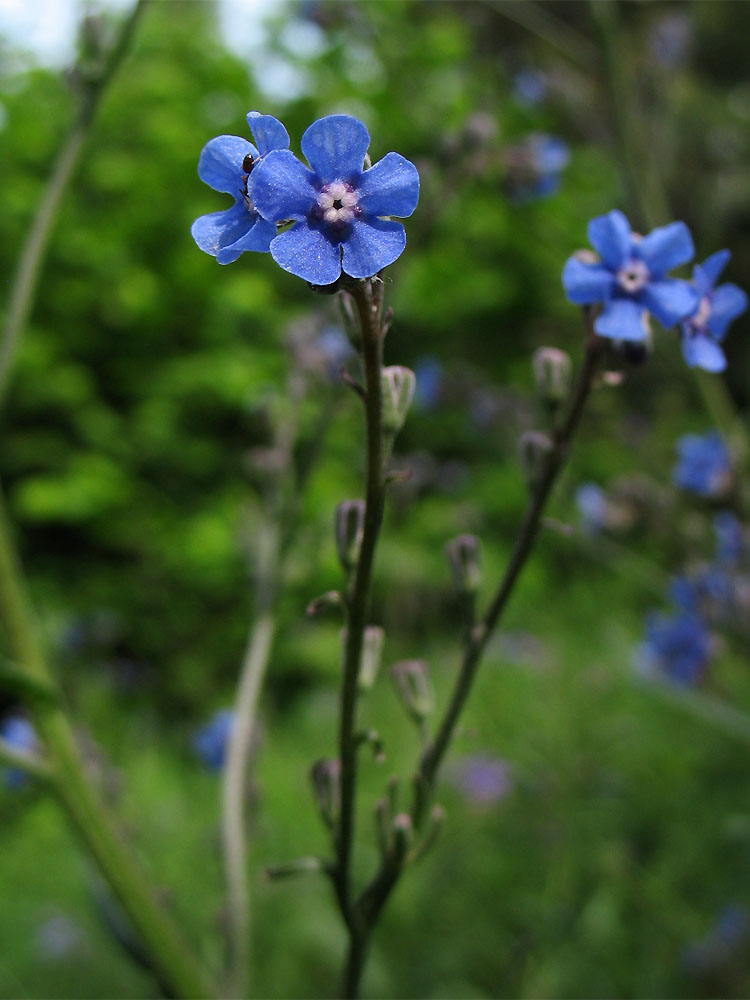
(535, 448)
(552, 371)
(349, 522)
(414, 688)
(398, 385)
(331, 599)
(463, 555)
(372, 649)
(402, 832)
(326, 780)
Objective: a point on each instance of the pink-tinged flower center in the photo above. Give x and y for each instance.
(700, 318)
(337, 203)
(633, 276)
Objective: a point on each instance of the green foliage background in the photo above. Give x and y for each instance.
(138, 393)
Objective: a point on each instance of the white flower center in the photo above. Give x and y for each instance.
(633, 276)
(337, 203)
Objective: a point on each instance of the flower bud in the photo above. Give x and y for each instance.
(402, 831)
(463, 555)
(414, 688)
(535, 448)
(552, 371)
(398, 385)
(326, 780)
(331, 599)
(372, 649)
(349, 522)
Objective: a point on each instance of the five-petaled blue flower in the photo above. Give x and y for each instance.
(535, 166)
(704, 465)
(338, 209)
(225, 164)
(703, 330)
(629, 279)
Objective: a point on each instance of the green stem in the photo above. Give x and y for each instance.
(435, 751)
(357, 606)
(26, 277)
(172, 959)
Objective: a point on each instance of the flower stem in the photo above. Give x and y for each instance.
(30, 261)
(171, 958)
(368, 309)
(435, 751)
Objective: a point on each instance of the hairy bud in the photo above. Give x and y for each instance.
(463, 555)
(326, 780)
(535, 448)
(552, 372)
(398, 384)
(349, 522)
(414, 689)
(372, 649)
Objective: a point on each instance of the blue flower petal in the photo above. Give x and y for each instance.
(220, 163)
(390, 187)
(622, 319)
(335, 147)
(268, 132)
(711, 268)
(727, 303)
(670, 300)
(281, 187)
(585, 284)
(666, 247)
(371, 245)
(308, 253)
(221, 229)
(610, 236)
(703, 352)
(257, 238)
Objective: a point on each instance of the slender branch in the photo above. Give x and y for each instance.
(26, 277)
(527, 535)
(31, 763)
(357, 605)
(171, 957)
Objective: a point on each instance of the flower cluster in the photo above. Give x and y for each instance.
(339, 210)
(629, 280)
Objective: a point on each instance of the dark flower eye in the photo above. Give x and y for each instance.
(248, 163)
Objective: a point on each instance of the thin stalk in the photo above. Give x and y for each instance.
(357, 608)
(171, 957)
(30, 763)
(532, 518)
(234, 833)
(26, 277)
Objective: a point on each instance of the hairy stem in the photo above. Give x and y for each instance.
(357, 608)
(26, 277)
(171, 958)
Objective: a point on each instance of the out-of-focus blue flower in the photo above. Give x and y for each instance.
(729, 934)
(530, 87)
(19, 734)
(483, 779)
(535, 166)
(591, 501)
(676, 648)
(429, 373)
(670, 39)
(629, 278)
(704, 329)
(703, 464)
(59, 937)
(729, 538)
(210, 742)
(225, 164)
(340, 211)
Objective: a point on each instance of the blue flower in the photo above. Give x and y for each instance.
(704, 464)
(591, 501)
(429, 373)
(705, 328)
(729, 538)
(677, 648)
(19, 734)
(482, 779)
(210, 742)
(225, 164)
(535, 166)
(338, 209)
(530, 87)
(629, 279)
